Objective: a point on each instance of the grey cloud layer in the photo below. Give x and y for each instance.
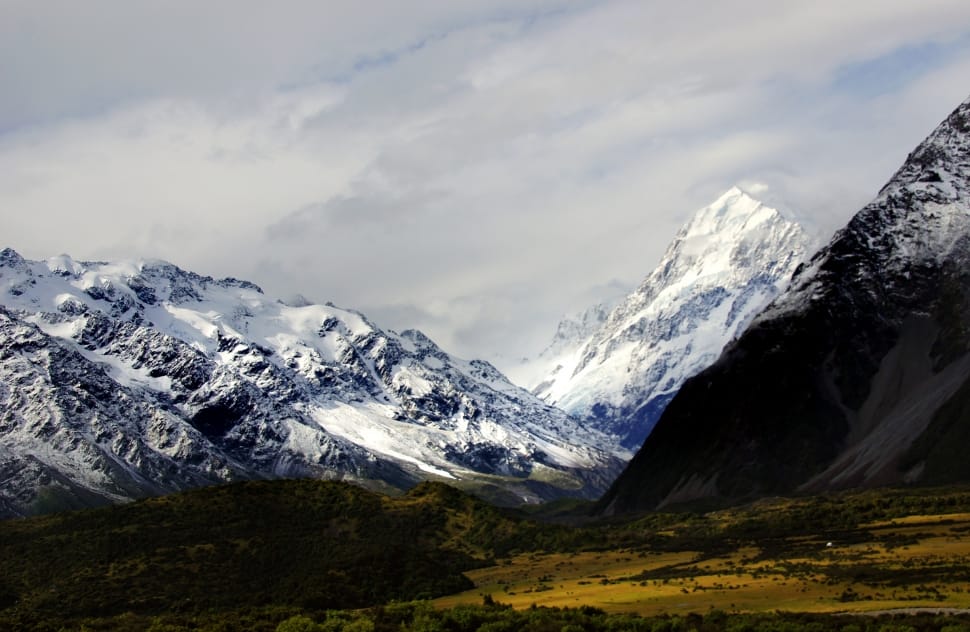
(473, 169)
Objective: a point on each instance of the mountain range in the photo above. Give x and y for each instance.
(849, 369)
(617, 368)
(126, 379)
(857, 376)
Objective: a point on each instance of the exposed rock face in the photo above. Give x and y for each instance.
(119, 380)
(858, 375)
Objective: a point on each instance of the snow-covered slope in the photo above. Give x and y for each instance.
(132, 378)
(729, 260)
(572, 333)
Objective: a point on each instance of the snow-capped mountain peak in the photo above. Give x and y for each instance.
(732, 208)
(726, 240)
(728, 261)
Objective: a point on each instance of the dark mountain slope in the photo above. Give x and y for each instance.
(856, 376)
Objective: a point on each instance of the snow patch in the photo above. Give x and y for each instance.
(371, 428)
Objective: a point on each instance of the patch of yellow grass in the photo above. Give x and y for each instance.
(686, 581)
(919, 520)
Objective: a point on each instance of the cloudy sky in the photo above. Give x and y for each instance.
(474, 169)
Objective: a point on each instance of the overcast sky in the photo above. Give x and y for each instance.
(474, 169)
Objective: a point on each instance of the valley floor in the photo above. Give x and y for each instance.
(324, 556)
(917, 562)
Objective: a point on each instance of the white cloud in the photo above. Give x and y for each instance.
(473, 169)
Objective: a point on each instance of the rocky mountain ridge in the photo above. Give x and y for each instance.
(126, 379)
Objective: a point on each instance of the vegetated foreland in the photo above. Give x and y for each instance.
(259, 555)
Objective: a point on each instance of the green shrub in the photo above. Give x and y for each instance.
(298, 623)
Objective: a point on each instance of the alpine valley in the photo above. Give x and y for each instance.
(618, 368)
(835, 421)
(128, 379)
(857, 376)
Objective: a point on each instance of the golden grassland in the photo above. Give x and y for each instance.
(920, 561)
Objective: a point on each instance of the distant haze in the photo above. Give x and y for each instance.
(473, 169)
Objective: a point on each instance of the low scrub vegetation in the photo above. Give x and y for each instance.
(497, 617)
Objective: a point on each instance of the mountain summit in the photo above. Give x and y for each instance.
(119, 380)
(858, 375)
(727, 262)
